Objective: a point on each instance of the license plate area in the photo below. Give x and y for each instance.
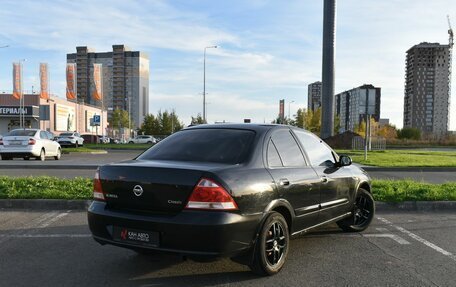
(135, 236)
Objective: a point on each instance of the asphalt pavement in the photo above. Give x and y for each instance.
(54, 248)
(83, 165)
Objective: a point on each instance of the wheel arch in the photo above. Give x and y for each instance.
(283, 207)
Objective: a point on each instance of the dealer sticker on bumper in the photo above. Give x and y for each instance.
(135, 236)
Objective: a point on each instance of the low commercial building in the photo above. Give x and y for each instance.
(55, 115)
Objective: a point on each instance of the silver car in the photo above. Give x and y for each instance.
(70, 139)
(27, 143)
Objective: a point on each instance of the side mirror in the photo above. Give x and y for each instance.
(345, 160)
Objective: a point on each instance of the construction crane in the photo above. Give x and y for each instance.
(450, 32)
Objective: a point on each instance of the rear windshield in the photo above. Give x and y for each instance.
(66, 134)
(19, 133)
(204, 145)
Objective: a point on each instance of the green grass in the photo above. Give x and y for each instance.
(409, 190)
(44, 187)
(404, 158)
(79, 149)
(119, 146)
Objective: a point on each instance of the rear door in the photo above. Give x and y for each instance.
(296, 181)
(47, 144)
(336, 183)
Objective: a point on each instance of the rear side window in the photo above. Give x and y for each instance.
(43, 135)
(204, 145)
(273, 156)
(288, 149)
(317, 151)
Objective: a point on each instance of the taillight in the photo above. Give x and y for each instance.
(32, 141)
(97, 189)
(209, 195)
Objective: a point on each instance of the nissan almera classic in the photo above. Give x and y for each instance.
(239, 191)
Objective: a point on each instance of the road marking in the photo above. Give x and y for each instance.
(52, 219)
(44, 235)
(419, 239)
(394, 237)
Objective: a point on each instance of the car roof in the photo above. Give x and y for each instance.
(253, 127)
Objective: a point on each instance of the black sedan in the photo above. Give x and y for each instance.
(239, 191)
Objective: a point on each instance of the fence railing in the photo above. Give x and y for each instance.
(376, 143)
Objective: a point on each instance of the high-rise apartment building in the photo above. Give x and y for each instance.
(353, 105)
(125, 79)
(427, 88)
(314, 96)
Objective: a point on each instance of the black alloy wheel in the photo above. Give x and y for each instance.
(272, 245)
(362, 215)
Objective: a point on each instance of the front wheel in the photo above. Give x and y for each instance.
(271, 248)
(58, 155)
(362, 214)
(42, 156)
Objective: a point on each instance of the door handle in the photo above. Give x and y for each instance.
(284, 181)
(324, 179)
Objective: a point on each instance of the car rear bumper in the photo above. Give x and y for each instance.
(197, 233)
(21, 151)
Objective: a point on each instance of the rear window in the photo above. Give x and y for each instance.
(204, 145)
(66, 134)
(20, 133)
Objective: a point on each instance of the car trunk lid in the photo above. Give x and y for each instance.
(151, 186)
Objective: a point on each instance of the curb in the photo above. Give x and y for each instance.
(45, 204)
(416, 206)
(85, 152)
(56, 166)
(411, 169)
(57, 204)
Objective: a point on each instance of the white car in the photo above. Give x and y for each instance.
(144, 139)
(27, 143)
(70, 139)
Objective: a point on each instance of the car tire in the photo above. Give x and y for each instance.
(362, 214)
(76, 145)
(271, 248)
(130, 142)
(42, 156)
(6, 157)
(59, 154)
(149, 142)
(26, 157)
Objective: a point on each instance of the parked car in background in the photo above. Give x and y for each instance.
(70, 139)
(238, 191)
(143, 139)
(27, 143)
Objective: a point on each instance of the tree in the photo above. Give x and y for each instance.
(198, 120)
(164, 123)
(388, 132)
(300, 118)
(119, 119)
(409, 133)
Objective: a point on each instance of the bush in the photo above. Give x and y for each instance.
(409, 133)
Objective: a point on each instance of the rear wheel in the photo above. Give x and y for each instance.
(26, 157)
(362, 214)
(42, 156)
(59, 154)
(271, 248)
(149, 142)
(130, 142)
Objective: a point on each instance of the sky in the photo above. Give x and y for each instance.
(268, 50)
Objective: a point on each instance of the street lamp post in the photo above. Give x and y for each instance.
(21, 100)
(204, 82)
(289, 109)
